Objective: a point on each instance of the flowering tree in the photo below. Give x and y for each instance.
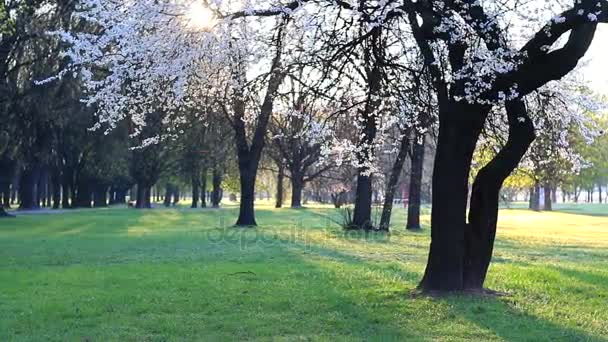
(480, 55)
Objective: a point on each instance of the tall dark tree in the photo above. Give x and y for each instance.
(415, 190)
(249, 153)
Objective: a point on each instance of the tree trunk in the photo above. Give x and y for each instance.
(548, 205)
(84, 194)
(536, 198)
(143, 196)
(415, 191)
(56, 181)
(66, 187)
(28, 189)
(280, 180)
(177, 195)
(216, 193)
(483, 213)
(204, 188)
(458, 134)
(599, 188)
(246, 207)
(196, 190)
(168, 194)
(363, 204)
(6, 196)
(389, 197)
(297, 186)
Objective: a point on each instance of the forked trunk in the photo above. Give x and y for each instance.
(483, 213)
(458, 134)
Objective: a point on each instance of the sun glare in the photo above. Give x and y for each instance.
(200, 17)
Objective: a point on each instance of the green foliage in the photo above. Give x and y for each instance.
(172, 275)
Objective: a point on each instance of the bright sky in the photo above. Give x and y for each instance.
(596, 68)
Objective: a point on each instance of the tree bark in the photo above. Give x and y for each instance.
(216, 193)
(391, 187)
(246, 208)
(204, 188)
(196, 190)
(280, 181)
(297, 187)
(483, 214)
(415, 191)
(458, 134)
(28, 189)
(363, 204)
(143, 196)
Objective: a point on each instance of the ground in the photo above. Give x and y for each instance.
(182, 275)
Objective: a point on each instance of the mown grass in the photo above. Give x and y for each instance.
(182, 275)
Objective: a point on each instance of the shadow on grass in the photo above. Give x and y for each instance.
(498, 316)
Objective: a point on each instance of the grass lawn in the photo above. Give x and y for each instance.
(182, 275)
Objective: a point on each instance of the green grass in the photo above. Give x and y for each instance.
(182, 275)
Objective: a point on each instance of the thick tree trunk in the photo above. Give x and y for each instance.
(246, 208)
(458, 134)
(143, 196)
(391, 187)
(216, 193)
(415, 191)
(363, 204)
(280, 181)
(28, 189)
(196, 190)
(297, 187)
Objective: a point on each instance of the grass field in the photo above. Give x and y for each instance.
(182, 275)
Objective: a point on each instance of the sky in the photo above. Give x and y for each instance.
(595, 63)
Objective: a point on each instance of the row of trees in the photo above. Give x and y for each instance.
(53, 158)
(378, 73)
